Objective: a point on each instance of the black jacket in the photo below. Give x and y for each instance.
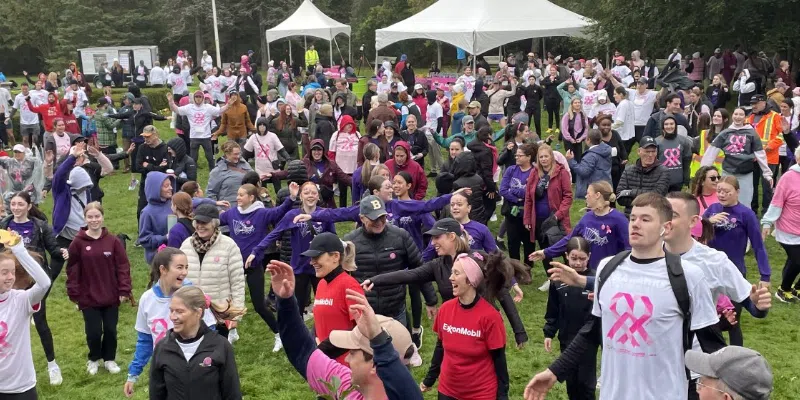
(209, 375)
(153, 157)
(42, 240)
(653, 127)
(182, 162)
(140, 119)
(392, 250)
(366, 103)
(637, 180)
(418, 142)
(568, 309)
(325, 127)
(438, 270)
(533, 95)
(550, 92)
(464, 172)
(484, 161)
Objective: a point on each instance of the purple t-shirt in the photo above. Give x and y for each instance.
(25, 230)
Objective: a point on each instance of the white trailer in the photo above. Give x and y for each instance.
(129, 56)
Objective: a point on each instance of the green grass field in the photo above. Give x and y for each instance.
(265, 375)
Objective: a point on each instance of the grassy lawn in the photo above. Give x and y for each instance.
(265, 375)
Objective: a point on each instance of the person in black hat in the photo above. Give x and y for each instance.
(646, 175)
(333, 261)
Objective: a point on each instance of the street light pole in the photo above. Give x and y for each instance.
(216, 31)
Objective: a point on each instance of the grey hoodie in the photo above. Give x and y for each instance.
(79, 183)
(224, 181)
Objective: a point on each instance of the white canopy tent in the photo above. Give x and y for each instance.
(482, 25)
(308, 20)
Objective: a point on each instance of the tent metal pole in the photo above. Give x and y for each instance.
(349, 51)
(290, 52)
(330, 44)
(376, 62)
(268, 57)
(474, 56)
(439, 54)
(544, 49)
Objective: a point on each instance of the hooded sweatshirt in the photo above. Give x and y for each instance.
(248, 226)
(595, 166)
(236, 121)
(98, 270)
(224, 180)
(741, 145)
(675, 153)
(343, 147)
(301, 236)
(420, 185)
(182, 164)
(80, 194)
(264, 147)
(49, 111)
(62, 195)
(153, 220)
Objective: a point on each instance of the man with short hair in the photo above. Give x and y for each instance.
(731, 373)
(474, 110)
(645, 175)
(200, 116)
(77, 97)
(311, 58)
(366, 100)
(106, 135)
(672, 109)
(382, 248)
(637, 317)
(28, 119)
(342, 89)
(380, 347)
(158, 77)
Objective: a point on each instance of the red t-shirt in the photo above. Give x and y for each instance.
(331, 308)
(467, 336)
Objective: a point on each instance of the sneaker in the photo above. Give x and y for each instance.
(278, 344)
(55, 374)
(233, 335)
(91, 367)
(416, 359)
(494, 218)
(501, 244)
(432, 174)
(557, 131)
(132, 185)
(748, 248)
(545, 286)
(786, 296)
(111, 367)
(549, 131)
(417, 337)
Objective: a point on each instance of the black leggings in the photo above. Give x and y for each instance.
(29, 394)
(582, 382)
(553, 113)
(519, 237)
(304, 283)
(542, 245)
(255, 283)
(43, 329)
(792, 267)
(415, 294)
(343, 193)
(535, 117)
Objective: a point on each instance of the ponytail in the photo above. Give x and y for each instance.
(348, 260)
(194, 298)
(498, 272)
(708, 231)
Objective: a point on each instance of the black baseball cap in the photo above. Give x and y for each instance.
(647, 141)
(759, 97)
(445, 225)
(102, 101)
(205, 213)
(78, 139)
(372, 207)
(325, 242)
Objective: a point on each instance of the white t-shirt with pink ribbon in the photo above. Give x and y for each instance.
(200, 118)
(345, 145)
(642, 327)
(266, 150)
(153, 316)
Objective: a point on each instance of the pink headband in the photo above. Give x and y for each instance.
(471, 268)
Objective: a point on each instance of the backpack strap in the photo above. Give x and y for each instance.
(187, 223)
(608, 269)
(677, 280)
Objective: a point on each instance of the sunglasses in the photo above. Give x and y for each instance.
(713, 178)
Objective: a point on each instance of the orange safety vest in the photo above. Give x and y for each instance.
(771, 133)
(697, 158)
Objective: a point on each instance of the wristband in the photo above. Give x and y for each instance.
(132, 378)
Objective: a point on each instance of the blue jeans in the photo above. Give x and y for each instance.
(402, 317)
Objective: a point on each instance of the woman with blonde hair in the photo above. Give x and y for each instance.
(98, 280)
(575, 128)
(604, 227)
(193, 361)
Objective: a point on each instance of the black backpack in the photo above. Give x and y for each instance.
(677, 280)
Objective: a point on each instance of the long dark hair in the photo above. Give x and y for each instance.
(498, 271)
(711, 133)
(34, 212)
(163, 257)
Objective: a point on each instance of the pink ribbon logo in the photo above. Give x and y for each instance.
(160, 333)
(672, 157)
(3, 334)
(737, 143)
(630, 324)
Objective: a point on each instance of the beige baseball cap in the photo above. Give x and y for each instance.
(354, 340)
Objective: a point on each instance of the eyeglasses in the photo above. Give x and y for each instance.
(713, 178)
(700, 385)
(520, 155)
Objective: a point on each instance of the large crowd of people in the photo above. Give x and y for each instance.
(665, 233)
